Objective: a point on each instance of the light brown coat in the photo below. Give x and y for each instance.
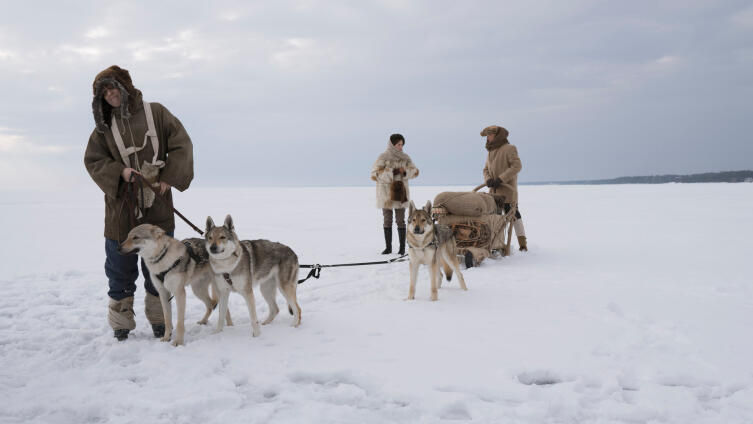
(504, 163)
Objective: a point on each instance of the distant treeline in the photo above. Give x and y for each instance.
(709, 177)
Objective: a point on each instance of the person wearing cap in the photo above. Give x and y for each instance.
(391, 171)
(134, 137)
(501, 175)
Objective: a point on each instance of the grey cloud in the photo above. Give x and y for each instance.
(306, 92)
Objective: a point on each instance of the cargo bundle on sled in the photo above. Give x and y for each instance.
(478, 221)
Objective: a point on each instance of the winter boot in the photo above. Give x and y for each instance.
(522, 243)
(121, 334)
(387, 241)
(153, 311)
(401, 237)
(158, 330)
(468, 259)
(120, 316)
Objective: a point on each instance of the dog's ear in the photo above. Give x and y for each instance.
(411, 208)
(210, 224)
(427, 207)
(157, 232)
(229, 223)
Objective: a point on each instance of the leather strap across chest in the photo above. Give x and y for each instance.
(150, 135)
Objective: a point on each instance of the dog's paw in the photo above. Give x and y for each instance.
(410, 298)
(166, 338)
(255, 331)
(202, 322)
(177, 342)
(217, 331)
(434, 297)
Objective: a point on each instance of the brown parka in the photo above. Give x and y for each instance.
(502, 162)
(104, 163)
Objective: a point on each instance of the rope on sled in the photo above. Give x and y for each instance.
(472, 233)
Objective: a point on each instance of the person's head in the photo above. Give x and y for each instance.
(493, 132)
(113, 90)
(398, 141)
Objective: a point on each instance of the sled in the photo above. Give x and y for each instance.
(478, 221)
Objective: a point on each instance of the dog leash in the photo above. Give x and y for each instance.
(140, 180)
(316, 269)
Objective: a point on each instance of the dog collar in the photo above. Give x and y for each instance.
(161, 275)
(432, 244)
(161, 255)
(226, 275)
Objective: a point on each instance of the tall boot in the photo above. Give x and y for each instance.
(520, 231)
(401, 237)
(121, 317)
(522, 243)
(387, 241)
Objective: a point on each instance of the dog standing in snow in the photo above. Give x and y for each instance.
(173, 265)
(432, 245)
(239, 265)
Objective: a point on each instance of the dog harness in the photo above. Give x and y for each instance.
(151, 134)
(161, 275)
(226, 275)
(432, 243)
(160, 256)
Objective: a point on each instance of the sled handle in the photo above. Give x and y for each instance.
(482, 185)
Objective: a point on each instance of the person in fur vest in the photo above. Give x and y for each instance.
(391, 171)
(503, 166)
(119, 146)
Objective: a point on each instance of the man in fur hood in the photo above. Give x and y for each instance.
(131, 136)
(501, 175)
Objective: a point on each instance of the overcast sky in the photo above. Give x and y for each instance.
(308, 92)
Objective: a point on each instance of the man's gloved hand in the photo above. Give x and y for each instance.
(490, 182)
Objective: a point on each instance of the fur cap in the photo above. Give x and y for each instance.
(131, 97)
(494, 129)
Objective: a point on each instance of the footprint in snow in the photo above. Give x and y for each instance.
(539, 378)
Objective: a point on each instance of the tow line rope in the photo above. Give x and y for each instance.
(316, 269)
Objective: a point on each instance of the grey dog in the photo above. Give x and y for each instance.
(173, 265)
(239, 265)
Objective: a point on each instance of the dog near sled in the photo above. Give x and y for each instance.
(481, 225)
(173, 265)
(432, 245)
(241, 265)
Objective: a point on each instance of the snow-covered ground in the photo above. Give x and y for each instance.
(634, 304)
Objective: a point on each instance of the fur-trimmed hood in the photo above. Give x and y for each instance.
(131, 97)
